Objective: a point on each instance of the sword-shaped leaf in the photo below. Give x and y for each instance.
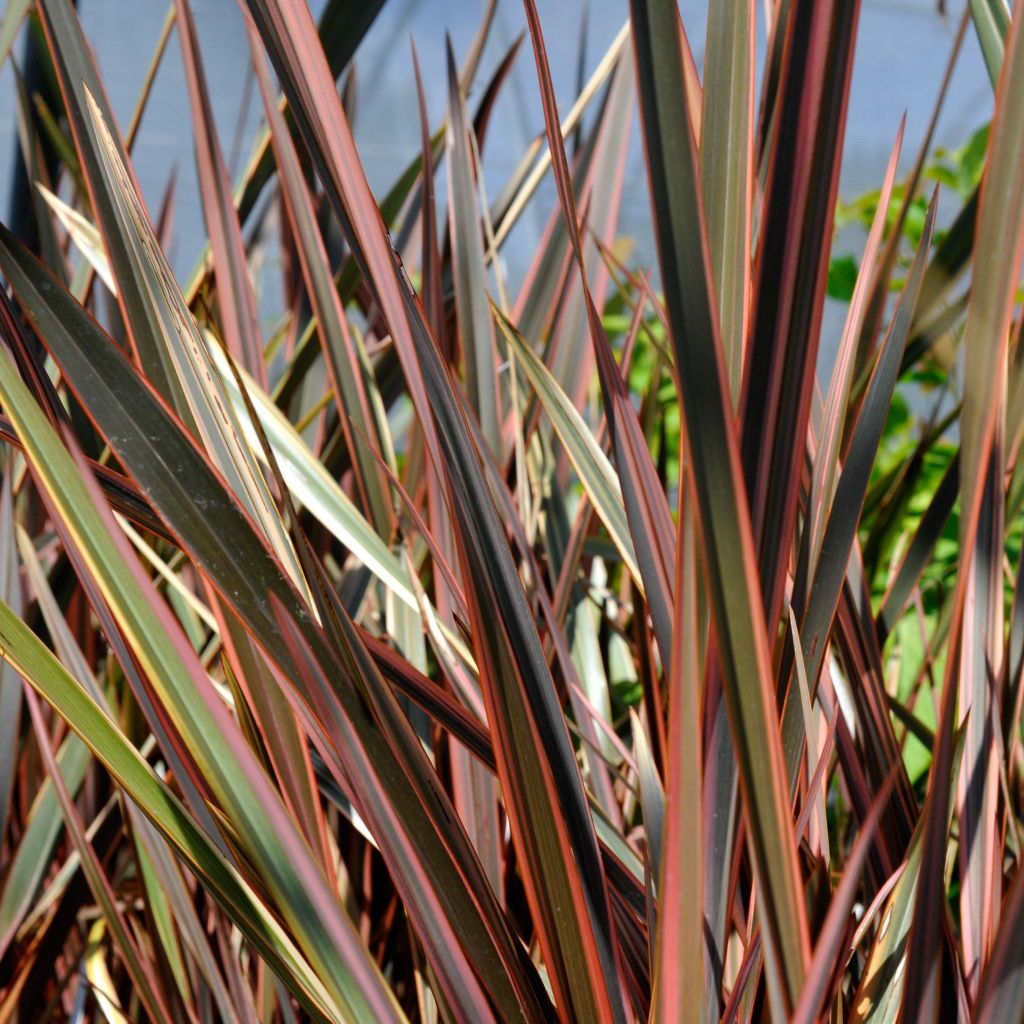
(726, 538)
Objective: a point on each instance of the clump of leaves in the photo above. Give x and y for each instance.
(475, 649)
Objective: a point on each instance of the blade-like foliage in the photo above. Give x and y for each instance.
(713, 451)
(444, 605)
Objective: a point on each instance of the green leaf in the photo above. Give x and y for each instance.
(31, 859)
(10, 684)
(992, 24)
(842, 278)
(680, 971)
(236, 299)
(14, 15)
(339, 350)
(79, 79)
(596, 471)
(469, 271)
(726, 168)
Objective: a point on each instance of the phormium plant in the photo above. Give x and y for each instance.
(461, 648)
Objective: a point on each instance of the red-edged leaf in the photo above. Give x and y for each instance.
(231, 268)
(725, 530)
